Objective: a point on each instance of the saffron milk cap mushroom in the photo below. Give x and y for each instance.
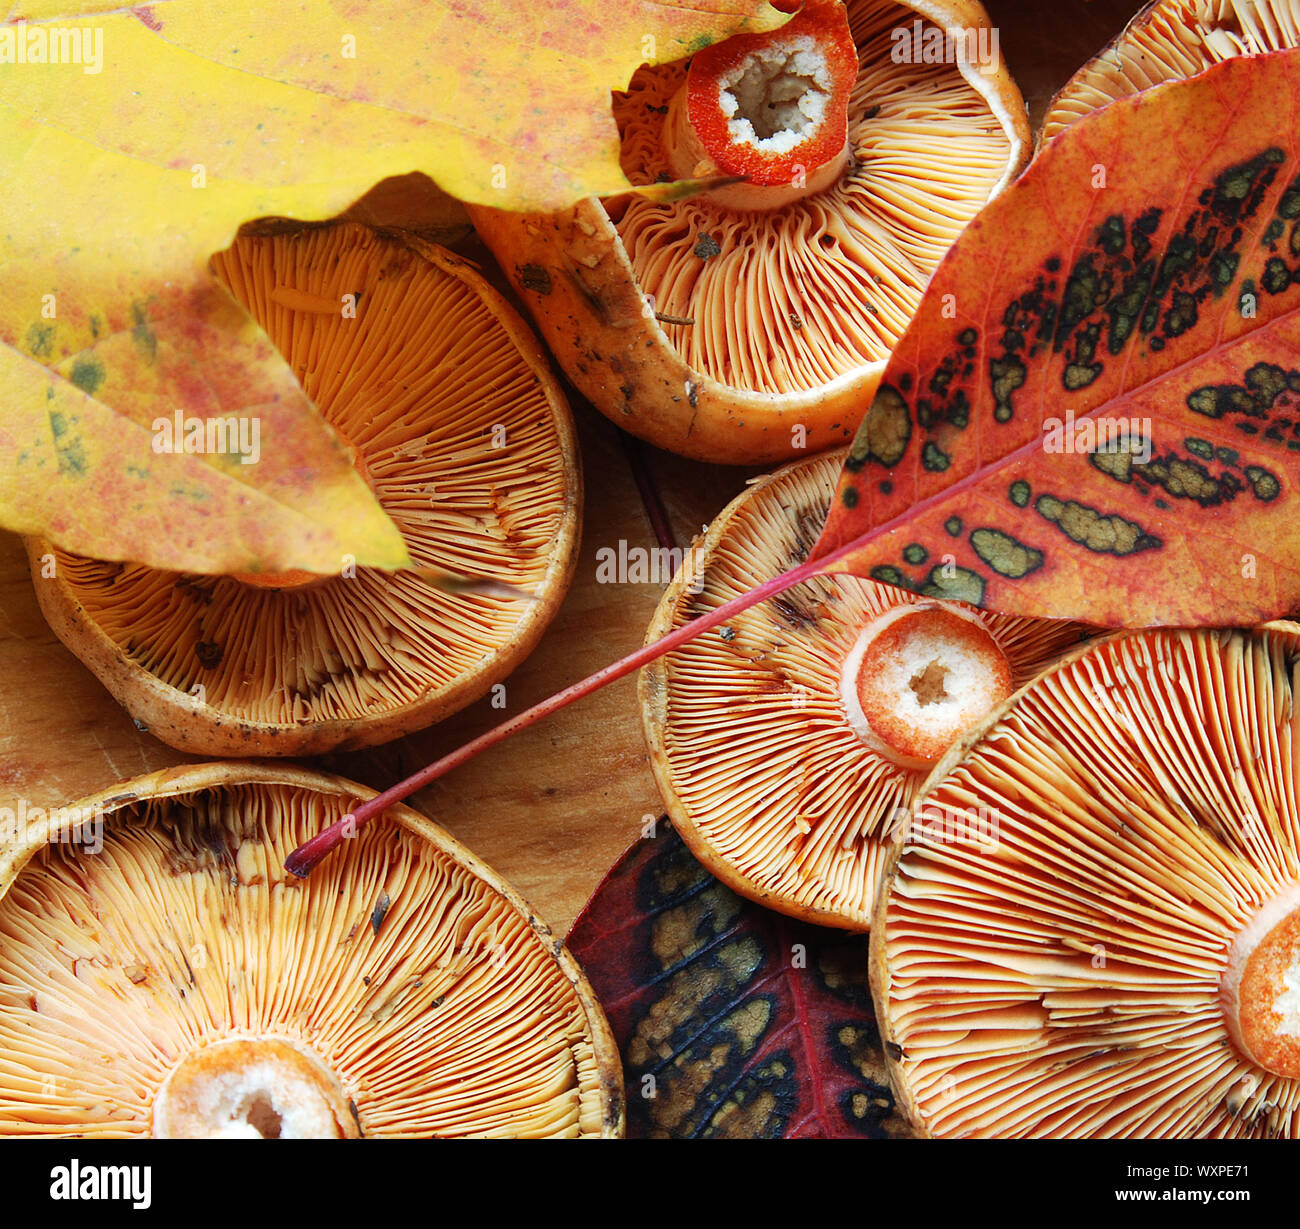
(169, 978)
(1169, 40)
(789, 743)
(466, 439)
(1092, 926)
(751, 322)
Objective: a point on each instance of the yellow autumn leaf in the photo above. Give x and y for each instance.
(136, 142)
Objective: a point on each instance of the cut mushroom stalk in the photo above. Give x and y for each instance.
(265, 1089)
(789, 748)
(918, 678)
(1261, 987)
(750, 322)
(769, 109)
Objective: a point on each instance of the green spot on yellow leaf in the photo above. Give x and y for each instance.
(40, 340)
(87, 374)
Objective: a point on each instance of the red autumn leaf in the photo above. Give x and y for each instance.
(1095, 413)
(732, 1021)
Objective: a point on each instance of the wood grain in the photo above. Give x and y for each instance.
(553, 809)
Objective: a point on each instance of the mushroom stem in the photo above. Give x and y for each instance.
(1261, 986)
(771, 109)
(251, 1089)
(918, 678)
(304, 859)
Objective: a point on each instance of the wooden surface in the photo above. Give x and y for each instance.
(552, 809)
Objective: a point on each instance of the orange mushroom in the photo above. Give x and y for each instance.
(1091, 926)
(788, 743)
(752, 322)
(170, 979)
(1169, 40)
(466, 439)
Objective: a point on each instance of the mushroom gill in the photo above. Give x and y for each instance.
(1091, 928)
(177, 981)
(466, 440)
(1169, 40)
(788, 743)
(791, 299)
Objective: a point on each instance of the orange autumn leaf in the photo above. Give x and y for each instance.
(1095, 413)
(137, 140)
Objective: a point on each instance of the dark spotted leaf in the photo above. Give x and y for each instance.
(733, 1021)
(1096, 411)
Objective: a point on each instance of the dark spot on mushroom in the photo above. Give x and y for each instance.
(536, 278)
(707, 247)
(191, 588)
(953, 526)
(382, 905)
(850, 497)
(1019, 492)
(792, 614)
(915, 554)
(209, 653)
(1199, 448)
